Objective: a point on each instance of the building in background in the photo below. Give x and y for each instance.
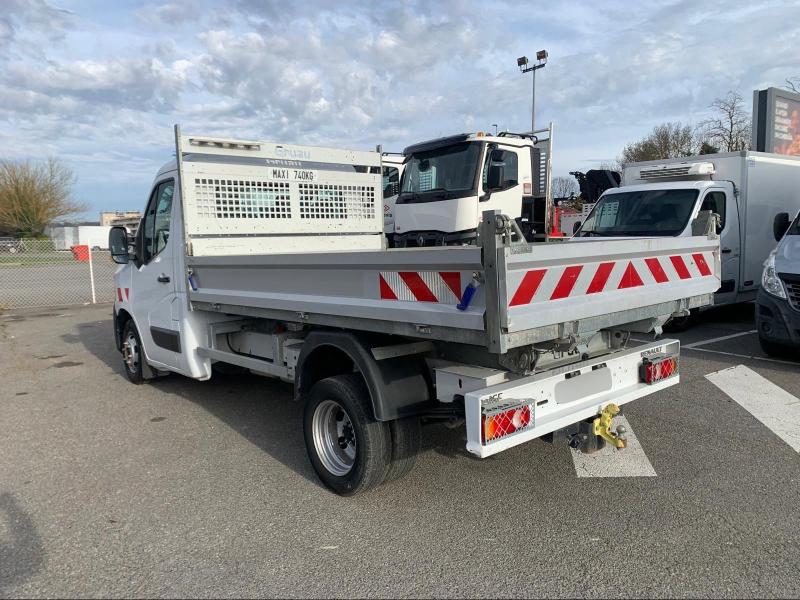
(67, 235)
(108, 218)
(129, 222)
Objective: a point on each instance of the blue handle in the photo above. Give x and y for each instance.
(466, 298)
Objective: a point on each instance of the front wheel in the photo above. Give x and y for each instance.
(348, 448)
(132, 355)
(772, 349)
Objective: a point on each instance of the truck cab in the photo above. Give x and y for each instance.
(449, 182)
(778, 301)
(746, 190)
(667, 210)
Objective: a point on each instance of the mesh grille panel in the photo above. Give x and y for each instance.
(331, 201)
(242, 199)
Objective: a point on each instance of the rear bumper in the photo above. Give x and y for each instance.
(567, 395)
(776, 321)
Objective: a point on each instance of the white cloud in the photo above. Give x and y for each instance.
(362, 73)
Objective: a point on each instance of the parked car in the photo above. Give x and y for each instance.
(10, 245)
(778, 301)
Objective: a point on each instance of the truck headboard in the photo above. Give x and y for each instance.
(247, 197)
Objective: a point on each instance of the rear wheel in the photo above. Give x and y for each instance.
(348, 448)
(132, 356)
(681, 324)
(406, 437)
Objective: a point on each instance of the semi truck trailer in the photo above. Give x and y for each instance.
(272, 258)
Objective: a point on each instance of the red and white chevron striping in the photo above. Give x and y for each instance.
(556, 283)
(421, 286)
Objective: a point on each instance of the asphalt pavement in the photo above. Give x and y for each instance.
(187, 488)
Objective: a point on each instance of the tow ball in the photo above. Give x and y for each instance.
(602, 427)
(593, 434)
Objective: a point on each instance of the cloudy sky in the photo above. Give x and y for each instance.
(99, 83)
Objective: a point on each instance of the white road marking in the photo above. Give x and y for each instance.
(772, 405)
(764, 358)
(719, 339)
(610, 462)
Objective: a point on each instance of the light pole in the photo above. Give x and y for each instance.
(522, 63)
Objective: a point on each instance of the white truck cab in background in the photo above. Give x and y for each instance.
(661, 198)
(449, 182)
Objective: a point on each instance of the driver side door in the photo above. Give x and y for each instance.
(504, 172)
(153, 288)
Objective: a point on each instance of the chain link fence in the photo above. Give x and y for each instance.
(33, 273)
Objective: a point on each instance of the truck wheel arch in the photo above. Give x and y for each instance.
(121, 317)
(398, 387)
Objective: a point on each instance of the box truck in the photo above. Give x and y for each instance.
(747, 190)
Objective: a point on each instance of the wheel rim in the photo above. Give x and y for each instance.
(130, 353)
(334, 437)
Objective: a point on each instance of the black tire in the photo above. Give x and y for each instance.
(681, 324)
(132, 365)
(368, 439)
(772, 349)
(406, 436)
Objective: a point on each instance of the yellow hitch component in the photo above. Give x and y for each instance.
(602, 426)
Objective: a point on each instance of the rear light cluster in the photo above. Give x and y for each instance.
(658, 367)
(504, 420)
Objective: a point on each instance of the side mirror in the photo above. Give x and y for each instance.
(118, 245)
(780, 225)
(496, 155)
(575, 226)
(494, 178)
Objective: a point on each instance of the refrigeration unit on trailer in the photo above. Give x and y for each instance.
(746, 189)
(449, 182)
(272, 258)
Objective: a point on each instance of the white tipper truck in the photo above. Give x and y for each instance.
(272, 258)
(747, 190)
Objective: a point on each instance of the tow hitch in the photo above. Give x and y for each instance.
(602, 427)
(590, 436)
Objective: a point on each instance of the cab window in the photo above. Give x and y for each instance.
(155, 229)
(715, 202)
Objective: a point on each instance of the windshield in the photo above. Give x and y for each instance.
(443, 173)
(642, 213)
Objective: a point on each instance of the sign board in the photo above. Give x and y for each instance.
(776, 121)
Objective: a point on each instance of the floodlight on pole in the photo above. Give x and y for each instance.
(523, 64)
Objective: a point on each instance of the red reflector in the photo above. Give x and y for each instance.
(504, 421)
(659, 367)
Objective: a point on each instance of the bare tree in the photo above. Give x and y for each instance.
(668, 140)
(33, 195)
(729, 128)
(564, 187)
(793, 83)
